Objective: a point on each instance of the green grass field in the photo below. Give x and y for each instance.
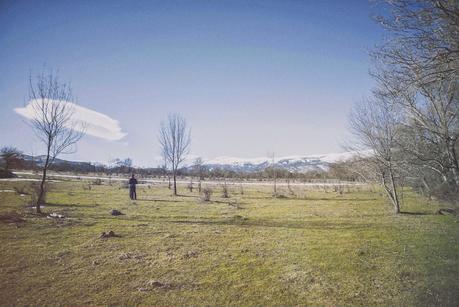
(321, 249)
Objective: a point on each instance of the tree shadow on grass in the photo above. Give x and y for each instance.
(11, 217)
(162, 200)
(261, 197)
(335, 198)
(183, 195)
(71, 205)
(226, 202)
(415, 213)
(264, 223)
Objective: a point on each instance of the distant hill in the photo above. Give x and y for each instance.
(40, 161)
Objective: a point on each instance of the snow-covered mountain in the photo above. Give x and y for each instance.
(290, 163)
(302, 163)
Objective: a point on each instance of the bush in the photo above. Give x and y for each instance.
(446, 192)
(6, 174)
(206, 193)
(225, 191)
(35, 193)
(22, 190)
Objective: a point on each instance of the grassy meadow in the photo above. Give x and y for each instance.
(313, 248)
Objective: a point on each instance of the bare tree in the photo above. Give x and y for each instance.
(274, 174)
(122, 165)
(52, 122)
(10, 156)
(175, 139)
(424, 40)
(127, 164)
(418, 70)
(431, 125)
(376, 127)
(198, 166)
(289, 187)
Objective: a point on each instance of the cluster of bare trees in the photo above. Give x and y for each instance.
(411, 124)
(121, 165)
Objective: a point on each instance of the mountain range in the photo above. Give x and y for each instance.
(291, 163)
(300, 163)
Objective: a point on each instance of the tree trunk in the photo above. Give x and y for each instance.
(40, 200)
(455, 163)
(395, 199)
(426, 186)
(175, 183)
(391, 190)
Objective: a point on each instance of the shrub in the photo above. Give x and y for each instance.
(225, 191)
(6, 174)
(35, 192)
(22, 190)
(446, 192)
(206, 193)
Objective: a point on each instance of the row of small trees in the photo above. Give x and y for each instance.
(411, 122)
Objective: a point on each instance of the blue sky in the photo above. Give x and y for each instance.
(251, 77)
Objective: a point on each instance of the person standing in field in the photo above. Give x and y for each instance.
(132, 184)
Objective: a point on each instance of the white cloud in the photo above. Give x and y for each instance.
(95, 123)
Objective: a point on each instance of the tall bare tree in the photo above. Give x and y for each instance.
(175, 139)
(417, 69)
(431, 122)
(52, 121)
(376, 127)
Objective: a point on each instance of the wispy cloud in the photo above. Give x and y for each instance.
(95, 123)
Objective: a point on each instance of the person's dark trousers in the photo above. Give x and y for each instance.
(132, 193)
